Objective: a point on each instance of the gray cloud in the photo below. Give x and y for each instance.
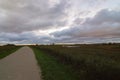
(104, 25)
(28, 15)
(25, 37)
(105, 16)
(72, 21)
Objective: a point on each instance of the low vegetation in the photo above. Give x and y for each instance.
(7, 50)
(51, 69)
(87, 62)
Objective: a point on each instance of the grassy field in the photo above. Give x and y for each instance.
(7, 50)
(86, 62)
(51, 69)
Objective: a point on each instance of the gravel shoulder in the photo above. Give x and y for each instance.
(20, 65)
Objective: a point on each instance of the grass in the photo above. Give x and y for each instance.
(88, 62)
(7, 50)
(51, 68)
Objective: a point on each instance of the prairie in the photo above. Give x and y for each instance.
(84, 62)
(7, 50)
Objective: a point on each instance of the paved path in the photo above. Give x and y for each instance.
(20, 65)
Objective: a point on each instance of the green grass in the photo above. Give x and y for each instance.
(7, 50)
(52, 69)
(89, 62)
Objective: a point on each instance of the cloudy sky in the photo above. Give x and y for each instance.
(59, 21)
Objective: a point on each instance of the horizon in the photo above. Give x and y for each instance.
(109, 43)
(59, 21)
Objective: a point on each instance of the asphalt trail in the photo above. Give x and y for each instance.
(20, 65)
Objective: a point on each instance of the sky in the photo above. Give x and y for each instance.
(59, 21)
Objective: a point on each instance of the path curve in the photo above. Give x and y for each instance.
(20, 65)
